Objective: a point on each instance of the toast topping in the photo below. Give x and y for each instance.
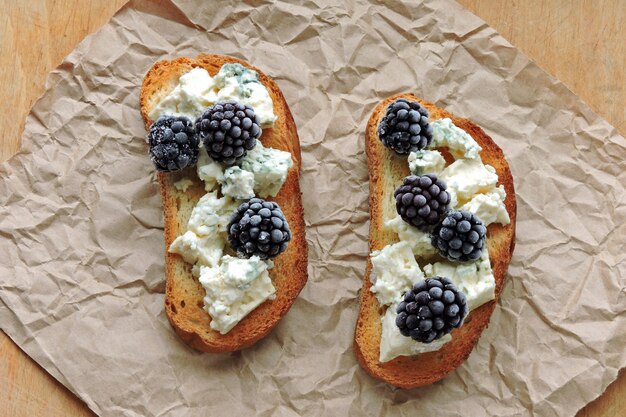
(204, 241)
(238, 183)
(394, 344)
(431, 309)
(209, 171)
(237, 82)
(229, 111)
(460, 237)
(467, 178)
(489, 206)
(270, 168)
(234, 289)
(228, 129)
(474, 279)
(426, 161)
(197, 90)
(422, 200)
(394, 270)
(472, 188)
(205, 250)
(210, 215)
(173, 143)
(405, 127)
(418, 241)
(458, 141)
(259, 228)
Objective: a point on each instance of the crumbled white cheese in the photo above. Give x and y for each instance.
(394, 271)
(394, 344)
(211, 214)
(489, 207)
(426, 162)
(237, 82)
(238, 183)
(209, 171)
(475, 279)
(203, 250)
(270, 168)
(234, 289)
(204, 240)
(466, 178)
(418, 240)
(260, 100)
(458, 141)
(197, 90)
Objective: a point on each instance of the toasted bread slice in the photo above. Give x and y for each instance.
(386, 171)
(184, 294)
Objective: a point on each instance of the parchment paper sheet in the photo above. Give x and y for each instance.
(81, 245)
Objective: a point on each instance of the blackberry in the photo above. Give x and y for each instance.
(405, 127)
(173, 143)
(431, 309)
(228, 129)
(259, 227)
(460, 236)
(422, 200)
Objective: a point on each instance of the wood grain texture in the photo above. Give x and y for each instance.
(35, 36)
(579, 42)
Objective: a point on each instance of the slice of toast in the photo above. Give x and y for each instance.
(386, 171)
(183, 294)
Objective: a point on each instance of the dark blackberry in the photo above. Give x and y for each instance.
(422, 200)
(228, 129)
(431, 309)
(460, 236)
(405, 127)
(259, 227)
(173, 143)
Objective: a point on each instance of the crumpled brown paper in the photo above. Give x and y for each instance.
(81, 246)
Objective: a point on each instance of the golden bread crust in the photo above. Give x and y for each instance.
(184, 294)
(386, 171)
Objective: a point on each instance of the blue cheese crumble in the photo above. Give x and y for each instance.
(270, 168)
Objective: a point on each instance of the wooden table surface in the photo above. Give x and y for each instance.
(579, 42)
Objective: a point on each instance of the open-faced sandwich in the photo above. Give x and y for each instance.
(442, 232)
(227, 153)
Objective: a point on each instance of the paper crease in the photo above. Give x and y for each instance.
(81, 241)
